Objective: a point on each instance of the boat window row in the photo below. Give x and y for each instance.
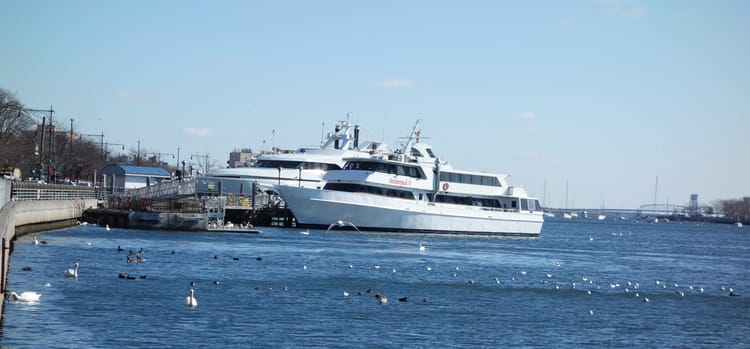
(386, 167)
(467, 200)
(467, 178)
(297, 164)
(360, 188)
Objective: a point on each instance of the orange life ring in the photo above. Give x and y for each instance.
(445, 186)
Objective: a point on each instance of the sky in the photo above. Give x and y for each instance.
(585, 103)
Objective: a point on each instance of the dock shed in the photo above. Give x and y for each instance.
(121, 177)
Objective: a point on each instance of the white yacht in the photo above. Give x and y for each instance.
(414, 191)
(306, 166)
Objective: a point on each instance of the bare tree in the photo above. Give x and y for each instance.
(13, 122)
(735, 210)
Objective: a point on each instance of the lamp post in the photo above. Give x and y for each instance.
(106, 148)
(204, 157)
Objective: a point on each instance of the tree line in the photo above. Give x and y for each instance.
(52, 152)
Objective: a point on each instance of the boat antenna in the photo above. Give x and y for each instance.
(322, 130)
(413, 138)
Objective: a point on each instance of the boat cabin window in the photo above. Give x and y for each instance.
(320, 166)
(416, 153)
(467, 200)
(467, 178)
(429, 152)
(277, 163)
(359, 188)
(530, 205)
(386, 167)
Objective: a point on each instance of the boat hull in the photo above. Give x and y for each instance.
(321, 208)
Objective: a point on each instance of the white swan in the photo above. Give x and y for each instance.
(24, 297)
(72, 272)
(421, 247)
(106, 227)
(36, 242)
(190, 300)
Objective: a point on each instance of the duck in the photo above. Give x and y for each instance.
(190, 300)
(73, 272)
(24, 297)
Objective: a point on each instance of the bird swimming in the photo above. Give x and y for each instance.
(73, 272)
(24, 297)
(421, 247)
(190, 300)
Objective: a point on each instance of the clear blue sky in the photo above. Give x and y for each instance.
(603, 94)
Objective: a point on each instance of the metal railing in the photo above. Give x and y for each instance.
(165, 189)
(35, 191)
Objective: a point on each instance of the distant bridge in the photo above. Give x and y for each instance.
(653, 210)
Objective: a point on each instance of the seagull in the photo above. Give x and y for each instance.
(190, 300)
(383, 299)
(106, 227)
(340, 223)
(305, 232)
(72, 272)
(346, 294)
(24, 297)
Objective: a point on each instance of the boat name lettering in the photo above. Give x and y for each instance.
(399, 181)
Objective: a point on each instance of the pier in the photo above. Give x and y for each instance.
(193, 203)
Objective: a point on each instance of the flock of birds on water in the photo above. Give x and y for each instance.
(584, 284)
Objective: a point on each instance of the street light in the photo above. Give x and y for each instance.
(204, 157)
(106, 148)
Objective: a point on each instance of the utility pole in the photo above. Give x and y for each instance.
(71, 144)
(42, 134)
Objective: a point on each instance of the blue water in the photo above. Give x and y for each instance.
(294, 296)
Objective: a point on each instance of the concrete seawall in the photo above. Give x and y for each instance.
(18, 218)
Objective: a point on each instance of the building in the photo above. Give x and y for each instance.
(241, 158)
(121, 177)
